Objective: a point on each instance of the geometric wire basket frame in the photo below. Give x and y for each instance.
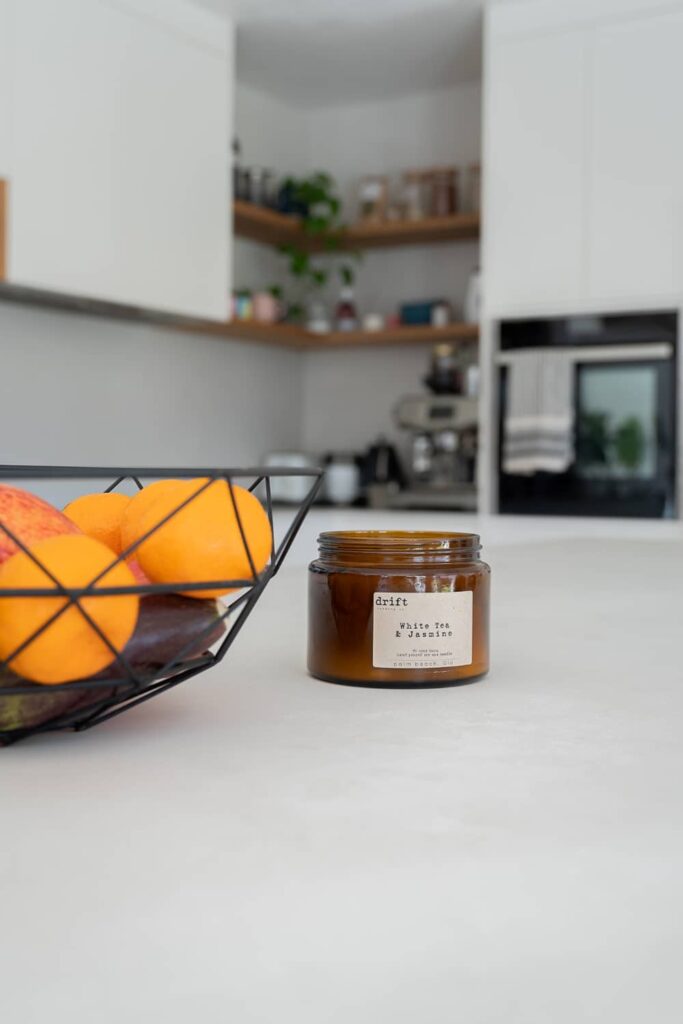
(88, 702)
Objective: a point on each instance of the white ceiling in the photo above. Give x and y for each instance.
(323, 52)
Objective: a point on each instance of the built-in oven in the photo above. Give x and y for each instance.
(622, 416)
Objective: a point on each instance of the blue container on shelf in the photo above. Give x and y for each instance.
(416, 314)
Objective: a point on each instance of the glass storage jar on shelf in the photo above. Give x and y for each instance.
(413, 195)
(395, 608)
(444, 190)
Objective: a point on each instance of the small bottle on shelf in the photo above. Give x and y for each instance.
(346, 316)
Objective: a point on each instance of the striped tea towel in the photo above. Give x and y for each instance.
(538, 433)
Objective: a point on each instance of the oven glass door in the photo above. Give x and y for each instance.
(617, 421)
(625, 446)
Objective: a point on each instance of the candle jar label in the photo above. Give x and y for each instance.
(414, 631)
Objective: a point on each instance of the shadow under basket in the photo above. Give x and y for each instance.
(176, 637)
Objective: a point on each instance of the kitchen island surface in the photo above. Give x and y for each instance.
(258, 846)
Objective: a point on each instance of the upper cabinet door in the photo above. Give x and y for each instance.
(636, 160)
(122, 120)
(534, 170)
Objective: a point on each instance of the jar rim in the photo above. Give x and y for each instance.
(404, 544)
(391, 538)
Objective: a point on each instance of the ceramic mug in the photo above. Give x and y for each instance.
(342, 482)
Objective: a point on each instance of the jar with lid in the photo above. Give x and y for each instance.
(270, 189)
(444, 191)
(413, 195)
(398, 609)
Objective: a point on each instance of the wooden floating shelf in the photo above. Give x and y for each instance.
(395, 336)
(286, 335)
(260, 224)
(460, 227)
(291, 336)
(263, 225)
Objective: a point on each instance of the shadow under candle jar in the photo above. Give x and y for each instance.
(395, 608)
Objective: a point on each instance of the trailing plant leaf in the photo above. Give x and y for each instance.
(347, 274)
(299, 263)
(316, 225)
(319, 208)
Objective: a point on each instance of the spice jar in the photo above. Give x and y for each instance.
(395, 608)
(413, 197)
(444, 191)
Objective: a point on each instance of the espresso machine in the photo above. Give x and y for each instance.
(440, 457)
(442, 451)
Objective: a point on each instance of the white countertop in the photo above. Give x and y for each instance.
(493, 530)
(257, 846)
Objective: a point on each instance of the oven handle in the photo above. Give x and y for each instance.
(599, 353)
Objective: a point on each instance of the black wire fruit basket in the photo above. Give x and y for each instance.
(178, 632)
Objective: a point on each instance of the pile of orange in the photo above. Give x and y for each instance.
(100, 516)
(49, 639)
(189, 532)
(186, 534)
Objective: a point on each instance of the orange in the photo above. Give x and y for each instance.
(202, 542)
(138, 506)
(69, 647)
(99, 516)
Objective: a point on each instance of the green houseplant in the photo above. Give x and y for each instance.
(319, 208)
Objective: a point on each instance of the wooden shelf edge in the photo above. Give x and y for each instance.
(291, 336)
(283, 335)
(461, 226)
(397, 336)
(286, 335)
(259, 224)
(272, 228)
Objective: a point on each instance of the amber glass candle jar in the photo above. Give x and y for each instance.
(393, 608)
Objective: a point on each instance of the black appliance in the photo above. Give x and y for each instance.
(625, 375)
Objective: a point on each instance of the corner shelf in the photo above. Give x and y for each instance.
(291, 336)
(271, 228)
(285, 335)
(394, 336)
(261, 224)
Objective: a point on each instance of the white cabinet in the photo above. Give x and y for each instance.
(636, 160)
(119, 164)
(534, 170)
(584, 156)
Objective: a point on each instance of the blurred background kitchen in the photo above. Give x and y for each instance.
(435, 246)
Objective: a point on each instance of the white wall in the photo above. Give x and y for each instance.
(274, 135)
(87, 390)
(431, 129)
(349, 394)
(82, 390)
